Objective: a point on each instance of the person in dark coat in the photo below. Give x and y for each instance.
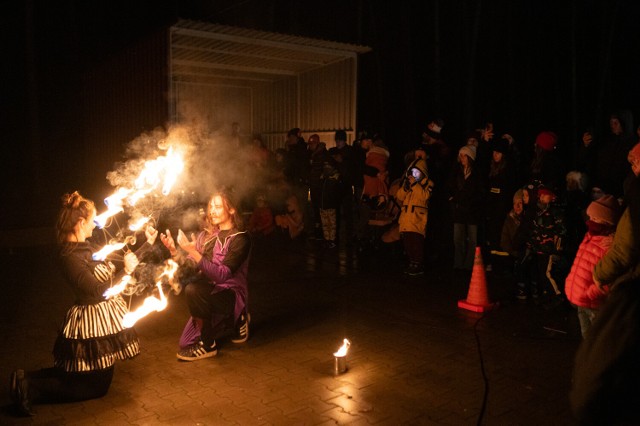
(465, 195)
(611, 159)
(501, 183)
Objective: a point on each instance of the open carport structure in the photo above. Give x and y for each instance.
(266, 82)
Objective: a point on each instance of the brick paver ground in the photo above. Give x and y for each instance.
(415, 357)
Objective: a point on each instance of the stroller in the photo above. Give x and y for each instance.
(383, 211)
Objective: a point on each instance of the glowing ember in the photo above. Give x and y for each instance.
(343, 349)
(149, 305)
(117, 289)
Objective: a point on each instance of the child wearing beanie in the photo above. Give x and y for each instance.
(580, 288)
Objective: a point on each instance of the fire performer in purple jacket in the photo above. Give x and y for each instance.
(214, 268)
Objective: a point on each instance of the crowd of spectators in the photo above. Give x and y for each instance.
(530, 217)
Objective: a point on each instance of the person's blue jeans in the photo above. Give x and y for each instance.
(465, 240)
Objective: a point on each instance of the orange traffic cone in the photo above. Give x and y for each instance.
(478, 296)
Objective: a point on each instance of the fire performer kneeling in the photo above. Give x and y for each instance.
(217, 295)
(92, 336)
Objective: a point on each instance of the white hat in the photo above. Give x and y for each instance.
(469, 151)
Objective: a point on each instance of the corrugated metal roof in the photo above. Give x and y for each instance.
(219, 54)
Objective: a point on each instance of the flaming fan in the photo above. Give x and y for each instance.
(155, 302)
(155, 179)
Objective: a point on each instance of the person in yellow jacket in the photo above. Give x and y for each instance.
(414, 194)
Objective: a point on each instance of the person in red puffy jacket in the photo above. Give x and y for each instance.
(580, 288)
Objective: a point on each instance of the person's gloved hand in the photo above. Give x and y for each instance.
(130, 262)
(151, 233)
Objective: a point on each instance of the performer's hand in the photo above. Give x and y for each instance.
(151, 233)
(130, 262)
(189, 245)
(169, 243)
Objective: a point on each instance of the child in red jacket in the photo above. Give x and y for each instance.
(261, 222)
(580, 288)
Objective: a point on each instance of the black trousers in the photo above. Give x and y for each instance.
(414, 246)
(215, 310)
(52, 385)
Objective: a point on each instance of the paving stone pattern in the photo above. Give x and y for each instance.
(415, 358)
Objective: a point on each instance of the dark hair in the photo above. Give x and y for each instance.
(74, 208)
(341, 135)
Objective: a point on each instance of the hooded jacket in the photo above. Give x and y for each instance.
(376, 157)
(415, 200)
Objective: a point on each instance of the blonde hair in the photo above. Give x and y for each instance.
(74, 208)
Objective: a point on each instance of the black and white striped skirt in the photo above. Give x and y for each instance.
(93, 338)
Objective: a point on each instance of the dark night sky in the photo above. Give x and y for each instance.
(527, 66)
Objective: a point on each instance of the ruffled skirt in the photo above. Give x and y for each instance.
(93, 338)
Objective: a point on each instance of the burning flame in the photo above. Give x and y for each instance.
(111, 247)
(117, 289)
(163, 170)
(107, 250)
(343, 349)
(152, 303)
(173, 168)
(114, 206)
(149, 305)
(138, 224)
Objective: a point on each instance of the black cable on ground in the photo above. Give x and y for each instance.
(484, 374)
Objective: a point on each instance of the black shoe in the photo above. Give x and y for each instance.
(330, 244)
(197, 351)
(242, 329)
(414, 270)
(18, 390)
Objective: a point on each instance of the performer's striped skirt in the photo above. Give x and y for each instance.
(93, 338)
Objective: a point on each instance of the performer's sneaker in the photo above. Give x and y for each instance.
(242, 328)
(197, 351)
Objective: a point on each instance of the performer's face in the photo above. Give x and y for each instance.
(88, 225)
(219, 214)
